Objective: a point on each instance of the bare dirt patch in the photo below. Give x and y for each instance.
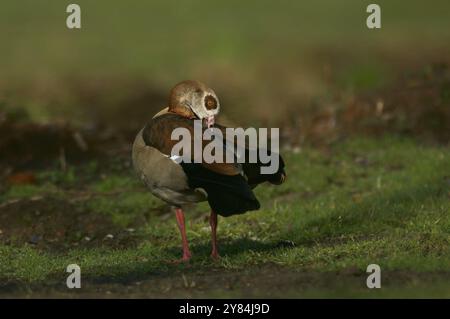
(54, 225)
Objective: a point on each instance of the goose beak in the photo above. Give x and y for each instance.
(209, 121)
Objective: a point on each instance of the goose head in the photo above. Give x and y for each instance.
(193, 99)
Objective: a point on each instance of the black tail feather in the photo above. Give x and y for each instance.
(253, 171)
(227, 195)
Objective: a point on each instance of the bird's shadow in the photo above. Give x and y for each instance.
(230, 248)
(200, 261)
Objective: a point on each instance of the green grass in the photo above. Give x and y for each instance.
(383, 201)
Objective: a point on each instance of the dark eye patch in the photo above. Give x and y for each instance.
(210, 102)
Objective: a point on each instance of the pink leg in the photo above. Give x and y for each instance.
(182, 226)
(213, 223)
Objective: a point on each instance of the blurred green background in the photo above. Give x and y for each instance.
(262, 57)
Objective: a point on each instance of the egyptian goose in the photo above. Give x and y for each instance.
(226, 186)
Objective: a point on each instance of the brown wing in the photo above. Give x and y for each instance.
(157, 133)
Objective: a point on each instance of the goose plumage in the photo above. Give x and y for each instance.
(226, 186)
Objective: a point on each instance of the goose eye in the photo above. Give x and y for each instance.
(210, 102)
